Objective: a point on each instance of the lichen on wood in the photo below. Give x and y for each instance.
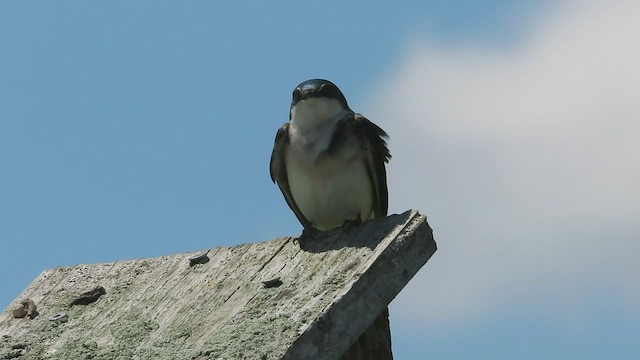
(329, 291)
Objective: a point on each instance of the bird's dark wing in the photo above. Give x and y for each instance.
(372, 140)
(278, 170)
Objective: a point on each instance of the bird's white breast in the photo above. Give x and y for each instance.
(330, 189)
(313, 122)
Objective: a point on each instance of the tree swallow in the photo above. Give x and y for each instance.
(328, 161)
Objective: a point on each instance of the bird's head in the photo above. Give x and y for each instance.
(317, 101)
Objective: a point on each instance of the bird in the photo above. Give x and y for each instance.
(329, 161)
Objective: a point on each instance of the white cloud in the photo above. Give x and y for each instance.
(527, 162)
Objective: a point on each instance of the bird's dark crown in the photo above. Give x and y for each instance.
(318, 88)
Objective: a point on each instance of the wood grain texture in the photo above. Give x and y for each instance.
(332, 288)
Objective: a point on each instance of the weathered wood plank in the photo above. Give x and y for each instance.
(332, 289)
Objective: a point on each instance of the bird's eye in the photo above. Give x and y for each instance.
(297, 95)
(327, 90)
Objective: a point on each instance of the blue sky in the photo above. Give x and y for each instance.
(142, 129)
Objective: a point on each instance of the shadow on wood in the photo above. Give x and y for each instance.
(271, 300)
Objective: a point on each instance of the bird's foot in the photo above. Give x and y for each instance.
(308, 237)
(308, 233)
(349, 225)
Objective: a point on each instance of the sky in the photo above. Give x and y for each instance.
(132, 130)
